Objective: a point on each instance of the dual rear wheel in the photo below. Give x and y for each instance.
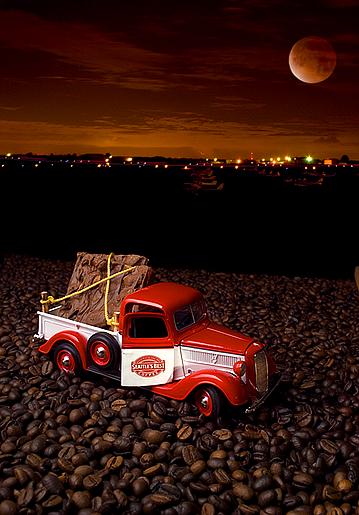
(102, 350)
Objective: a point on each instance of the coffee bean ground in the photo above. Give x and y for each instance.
(86, 445)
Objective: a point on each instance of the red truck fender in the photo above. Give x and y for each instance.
(73, 337)
(229, 384)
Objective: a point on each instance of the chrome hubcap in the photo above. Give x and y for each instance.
(66, 361)
(204, 402)
(101, 353)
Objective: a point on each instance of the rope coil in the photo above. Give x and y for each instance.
(110, 321)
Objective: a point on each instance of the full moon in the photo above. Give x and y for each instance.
(312, 59)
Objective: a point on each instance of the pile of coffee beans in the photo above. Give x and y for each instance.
(85, 445)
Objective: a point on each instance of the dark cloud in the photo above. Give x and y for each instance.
(332, 140)
(192, 75)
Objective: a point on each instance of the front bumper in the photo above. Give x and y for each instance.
(273, 383)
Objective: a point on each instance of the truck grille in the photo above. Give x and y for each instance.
(198, 359)
(261, 371)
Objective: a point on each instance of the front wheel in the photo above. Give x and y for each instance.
(67, 358)
(210, 401)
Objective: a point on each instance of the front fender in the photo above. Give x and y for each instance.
(229, 384)
(73, 337)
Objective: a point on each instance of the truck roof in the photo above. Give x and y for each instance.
(166, 296)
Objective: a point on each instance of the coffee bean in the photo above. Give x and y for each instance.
(159, 408)
(47, 368)
(140, 486)
(208, 509)
(52, 501)
(155, 437)
(329, 446)
(82, 500)
(65, 465)
(222, 434)
(243, 491)
(216, 463)
(8, 507)
(137, 405)
(84, 470)
(153, 471)
(67, 452)
(190, 454)
(198, 467)
(92, 481)
(52, 484)
(26, 496)
(303, 480)
(114, 462)
(185, 433)
(75, 481)
(170, 490)
(161, 500)
(118, 404)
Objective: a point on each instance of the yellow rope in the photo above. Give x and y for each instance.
(110, 321)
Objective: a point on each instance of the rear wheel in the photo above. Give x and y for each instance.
(104, 351)
(210, 401)
(67, 358)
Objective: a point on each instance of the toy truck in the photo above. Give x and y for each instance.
(165, 343)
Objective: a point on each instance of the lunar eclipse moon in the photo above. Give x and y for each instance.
(312, 59)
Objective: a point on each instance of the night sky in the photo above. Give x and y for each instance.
(190, 78)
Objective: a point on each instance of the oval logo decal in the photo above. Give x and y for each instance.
(148, 366)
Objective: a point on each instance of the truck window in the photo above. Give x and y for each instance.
(148, 327)
(189, 315)
(135, 307)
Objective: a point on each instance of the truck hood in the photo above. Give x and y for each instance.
(218, 338)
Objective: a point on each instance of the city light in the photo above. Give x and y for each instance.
(309, 159)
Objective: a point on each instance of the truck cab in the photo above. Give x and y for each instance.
(166, 343)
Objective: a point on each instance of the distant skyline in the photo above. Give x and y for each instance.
(190, 79)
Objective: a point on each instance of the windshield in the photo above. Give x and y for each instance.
(189, 315)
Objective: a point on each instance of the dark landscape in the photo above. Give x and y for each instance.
(80, 445)
(251, 220)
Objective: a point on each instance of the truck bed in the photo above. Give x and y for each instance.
(50, 324)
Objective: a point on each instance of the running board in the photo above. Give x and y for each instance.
(111, 374)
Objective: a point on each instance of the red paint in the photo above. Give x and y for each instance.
(237, 367)
(100, 360)
(229, 384)
(165, 296)
(65, 354)
(218, 338)
(77, 339)
(200, 394)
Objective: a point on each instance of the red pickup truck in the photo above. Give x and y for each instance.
(166, 343)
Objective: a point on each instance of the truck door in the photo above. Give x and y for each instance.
(147, 350)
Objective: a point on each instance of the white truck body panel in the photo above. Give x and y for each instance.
(50, 324)
(147, 366)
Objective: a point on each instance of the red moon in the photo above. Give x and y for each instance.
(312, 59)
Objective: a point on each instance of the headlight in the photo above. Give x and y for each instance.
(240, 370)
(243, 374)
